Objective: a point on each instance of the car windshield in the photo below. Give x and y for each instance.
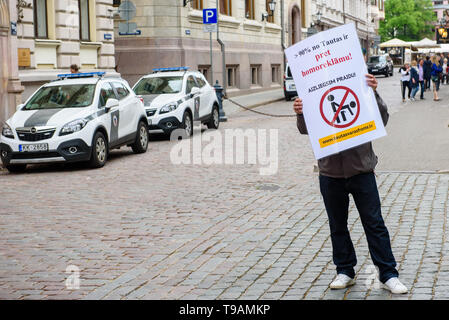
(158, 85)
(63, 96)
(376, 59)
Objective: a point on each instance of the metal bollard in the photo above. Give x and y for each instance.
(219, 93)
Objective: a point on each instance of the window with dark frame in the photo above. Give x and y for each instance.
(255, 75)
(275, 73)
(205, 71)
(40, 19)
(231, 73)
(303, 14)
(197, 4)
(84, 20)
(226, 7)
(249, 9)
(270, 14)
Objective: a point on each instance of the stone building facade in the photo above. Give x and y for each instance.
(363, 13)
(57, 33)
(172, 35)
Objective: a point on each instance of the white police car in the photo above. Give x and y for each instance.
(175, 97)
(78, 117)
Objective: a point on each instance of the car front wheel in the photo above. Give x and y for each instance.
(187, 124)
(141, 143)
(99, 151)
(214, 120)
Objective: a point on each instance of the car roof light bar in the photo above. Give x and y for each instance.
(81, 75)
(155, 70)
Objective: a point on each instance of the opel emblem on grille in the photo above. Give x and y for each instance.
(33, 130)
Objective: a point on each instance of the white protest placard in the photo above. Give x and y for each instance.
(340, 110)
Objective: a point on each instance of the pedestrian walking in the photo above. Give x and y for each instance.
(414, 79)
(405, 80)
(444, 74)
(352, 172)
(427, 72)
(436, 72)
(421, 77)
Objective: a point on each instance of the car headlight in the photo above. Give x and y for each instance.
(73, 126)
(168, 108)
(7, 131)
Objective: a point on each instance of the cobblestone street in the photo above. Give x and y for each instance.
(144, 228)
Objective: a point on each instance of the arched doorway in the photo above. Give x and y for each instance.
(295, 25)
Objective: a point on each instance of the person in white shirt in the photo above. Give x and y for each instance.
(405, 80)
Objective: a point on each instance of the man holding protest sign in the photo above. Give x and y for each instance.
(342, 114)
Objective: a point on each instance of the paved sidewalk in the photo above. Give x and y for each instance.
(252, 100)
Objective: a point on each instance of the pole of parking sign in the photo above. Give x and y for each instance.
(211, 64)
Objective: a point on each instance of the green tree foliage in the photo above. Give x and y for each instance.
(408, 20)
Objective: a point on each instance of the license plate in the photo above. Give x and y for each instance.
(374, 70)
(292, 87)
(33, 147)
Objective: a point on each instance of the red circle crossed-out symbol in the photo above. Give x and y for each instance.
(331, 122)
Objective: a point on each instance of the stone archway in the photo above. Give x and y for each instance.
(295, 25)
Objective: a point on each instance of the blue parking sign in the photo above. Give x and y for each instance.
(210, 16)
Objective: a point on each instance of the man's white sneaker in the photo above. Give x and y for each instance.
(341, 281)
(395, 286)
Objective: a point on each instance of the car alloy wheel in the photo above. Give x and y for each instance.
(143, 137)
(100, 148)
(216, 117)
(188, 124)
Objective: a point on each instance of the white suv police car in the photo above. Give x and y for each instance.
(175, 97)
(78, 117)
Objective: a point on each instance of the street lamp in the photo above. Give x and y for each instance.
(317, 17)
(271, 7)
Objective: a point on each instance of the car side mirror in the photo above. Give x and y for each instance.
(111, 103)
(194, 91)
(20, 106)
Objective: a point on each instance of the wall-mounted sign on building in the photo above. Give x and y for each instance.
(24, 56)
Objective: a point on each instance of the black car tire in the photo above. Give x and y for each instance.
(186, 118)
(214, 120)
(16, 168)
(100, 150)
(142, 137)
(288, 98)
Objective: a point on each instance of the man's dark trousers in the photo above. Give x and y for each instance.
(363, 188)
(421, 83)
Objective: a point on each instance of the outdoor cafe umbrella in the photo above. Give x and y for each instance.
(395, 43)
(425, 43)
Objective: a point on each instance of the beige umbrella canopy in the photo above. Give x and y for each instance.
(425, 43)
(394, 43)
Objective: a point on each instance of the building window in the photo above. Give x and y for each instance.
(231, 72)
(84, 20)
(206, 73)
(255, 75)
(40, 19)
(270, 14)
(249, 9)
(226, 7)
(275, 73)
(303, 14)
(197, 4)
